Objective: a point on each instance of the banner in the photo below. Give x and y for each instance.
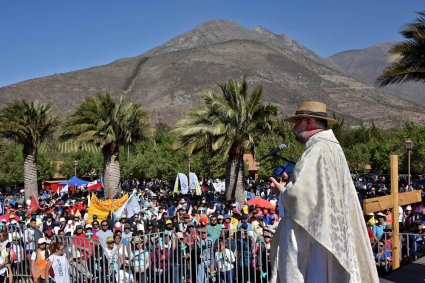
(184, 183)
(130, 207)
(176, 185)
(102, 208)
(194, 183)
(219, 187)
(34, 206)
(64, 190)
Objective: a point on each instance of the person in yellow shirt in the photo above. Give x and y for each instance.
(234, 220)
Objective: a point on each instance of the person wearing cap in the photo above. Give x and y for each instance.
(69, 228)
(127, 234)
(314, 224)
(206, 247)
(407, 219)
(48, 224)
(186, 220)
(39, 262)
(244, 220)
(378, 228)
(141, 259)
(112, 256)
(21, 211)
(224, 259)
(272, 226)
(62, 223)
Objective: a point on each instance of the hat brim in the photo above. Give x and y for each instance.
(295, 118)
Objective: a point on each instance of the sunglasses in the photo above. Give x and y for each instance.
(105, 225)
(381, 246)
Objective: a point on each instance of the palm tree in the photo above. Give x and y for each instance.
(228, 124)
(28, 123)
(409, 64)
(107, 123)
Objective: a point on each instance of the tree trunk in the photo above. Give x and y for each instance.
(234, 179)
(30, 172)
(111, 165)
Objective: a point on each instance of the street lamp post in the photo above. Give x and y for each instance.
(408, 144)
(75, 167)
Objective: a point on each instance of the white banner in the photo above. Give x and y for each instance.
(219, 187)
(131, 207)
(184, 183)
(194, 183)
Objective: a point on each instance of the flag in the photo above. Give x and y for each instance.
(33, 205)
(176, 185)
(102, 208)
(95, 186)
(132, 207)
(184, 183)
(2, 206)
(64, 190)
(194, 183)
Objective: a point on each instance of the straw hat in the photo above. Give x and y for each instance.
(312, 109)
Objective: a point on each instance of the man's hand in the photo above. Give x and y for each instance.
(281, 187)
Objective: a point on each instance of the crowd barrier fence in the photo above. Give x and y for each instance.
(233, 256)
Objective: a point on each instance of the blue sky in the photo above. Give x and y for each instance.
(40, 38)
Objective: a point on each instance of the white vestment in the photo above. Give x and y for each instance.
(323, 236)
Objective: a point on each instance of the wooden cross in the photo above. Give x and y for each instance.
(393, 201)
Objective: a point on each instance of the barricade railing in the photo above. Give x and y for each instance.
(411, 246)
(192, 256)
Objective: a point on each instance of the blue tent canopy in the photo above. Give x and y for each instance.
(74, 182)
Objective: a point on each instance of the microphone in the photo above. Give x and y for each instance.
(274, 151)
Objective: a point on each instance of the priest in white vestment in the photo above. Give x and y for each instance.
(322, 235)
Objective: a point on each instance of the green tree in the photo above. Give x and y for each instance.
(12, 171)
(228, 124)
(28, 123)
(109, 123)
(155, 158)
(409, 63)
(89, 164)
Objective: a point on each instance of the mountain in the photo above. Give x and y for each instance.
(167, 78)
(365, 65)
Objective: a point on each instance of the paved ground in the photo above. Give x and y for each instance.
(412, 273)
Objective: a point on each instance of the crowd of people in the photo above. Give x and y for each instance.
(411, 219)
(173, 238)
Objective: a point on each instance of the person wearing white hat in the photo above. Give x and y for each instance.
(39, 261)
(322, 236)
(407, 219)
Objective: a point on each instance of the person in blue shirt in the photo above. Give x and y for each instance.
(383, 258)
(378, 228)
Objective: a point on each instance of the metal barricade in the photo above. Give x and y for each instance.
(411, 246)
(193, 256)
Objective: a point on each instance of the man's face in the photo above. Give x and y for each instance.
(104, 226)
(299, 129)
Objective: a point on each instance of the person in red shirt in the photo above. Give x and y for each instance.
(84, 242)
